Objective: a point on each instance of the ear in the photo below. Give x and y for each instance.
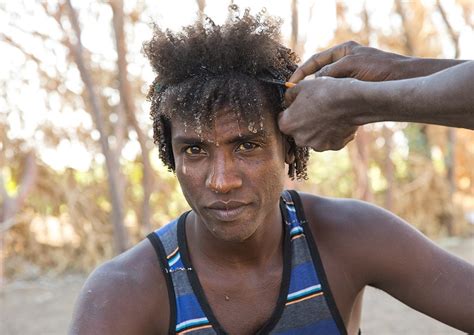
(289, 147)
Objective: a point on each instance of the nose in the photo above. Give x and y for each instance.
(223, 176)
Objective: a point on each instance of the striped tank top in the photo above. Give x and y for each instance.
(305, 304)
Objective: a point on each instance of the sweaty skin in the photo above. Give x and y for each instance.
(238, 254)
(356, 85)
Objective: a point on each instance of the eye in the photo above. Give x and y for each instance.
(193, 150)
(246, 146)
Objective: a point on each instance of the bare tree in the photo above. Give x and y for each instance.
(294, 25)
(111, 161)
(201, 5)
(359, 153)
(126, 101)
(408, 39)
(387, 165)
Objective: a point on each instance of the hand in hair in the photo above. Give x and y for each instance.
(356, 85)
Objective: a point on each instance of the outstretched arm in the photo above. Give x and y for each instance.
(324, 113)
(444, 98)
(352, 60)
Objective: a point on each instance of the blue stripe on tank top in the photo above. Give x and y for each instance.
(303, 276)
(166, 228)
(188, 308)
(191, 323)
(304, 292)
(173, 260)
(292, 216)
(175, 263)
(296, 230)
(322, 327)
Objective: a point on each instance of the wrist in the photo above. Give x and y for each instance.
(412, 67)
(393, 101)
(372, 103)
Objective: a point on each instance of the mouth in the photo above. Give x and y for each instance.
(227, 211)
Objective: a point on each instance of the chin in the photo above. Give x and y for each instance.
(232, 233)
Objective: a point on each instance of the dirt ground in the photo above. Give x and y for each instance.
(44, 306)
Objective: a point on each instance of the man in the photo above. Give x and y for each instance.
(325, 112)
(250, 258)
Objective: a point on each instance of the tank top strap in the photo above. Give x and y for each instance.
(186, 314)
(309, 305)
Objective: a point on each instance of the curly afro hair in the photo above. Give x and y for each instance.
(208, 67)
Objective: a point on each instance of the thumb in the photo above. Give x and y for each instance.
(283, 122)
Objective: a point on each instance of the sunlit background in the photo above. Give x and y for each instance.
(80, 179)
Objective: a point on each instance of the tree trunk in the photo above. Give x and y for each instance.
(11, 205)
(387, 164)
(408, 45)
(201, 5)
(359, 154)
(294, 26)
(126, 101)
(112, 165)
(388, 168)
(451, 132)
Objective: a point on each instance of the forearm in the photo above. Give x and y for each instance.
(444, 98)
(411, 67)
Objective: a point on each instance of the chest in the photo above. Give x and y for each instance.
(243, 304)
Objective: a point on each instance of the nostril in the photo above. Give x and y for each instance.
(223, 183)
(223, 175)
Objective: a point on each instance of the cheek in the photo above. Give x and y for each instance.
(188, 177)
(269, 174)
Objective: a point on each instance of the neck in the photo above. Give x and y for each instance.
(259, 249)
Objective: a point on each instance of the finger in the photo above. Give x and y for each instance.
(338, 69)
(291, 94)
(340, 142)
(319, 60)
(321, 146)
(349, 139)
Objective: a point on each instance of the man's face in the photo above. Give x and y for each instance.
(231, 177)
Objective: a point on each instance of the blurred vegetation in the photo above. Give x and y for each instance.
(79, 176)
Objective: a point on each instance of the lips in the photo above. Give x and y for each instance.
(227, 210)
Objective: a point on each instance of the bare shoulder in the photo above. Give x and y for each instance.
(342, 218)
(126, 295)
(362, 244)
(355, 235)
(371, 242)
(367, 234)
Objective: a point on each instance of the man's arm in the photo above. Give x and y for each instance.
(127, 295)
(372, 246)
(352, 60)
(404, 263)
(324, 113)
(443, 98)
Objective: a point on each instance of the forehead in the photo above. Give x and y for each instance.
(226, 123)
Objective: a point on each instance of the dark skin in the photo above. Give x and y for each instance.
(356, 85)
(359, 244)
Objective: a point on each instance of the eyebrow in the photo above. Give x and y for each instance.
(260, 135)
